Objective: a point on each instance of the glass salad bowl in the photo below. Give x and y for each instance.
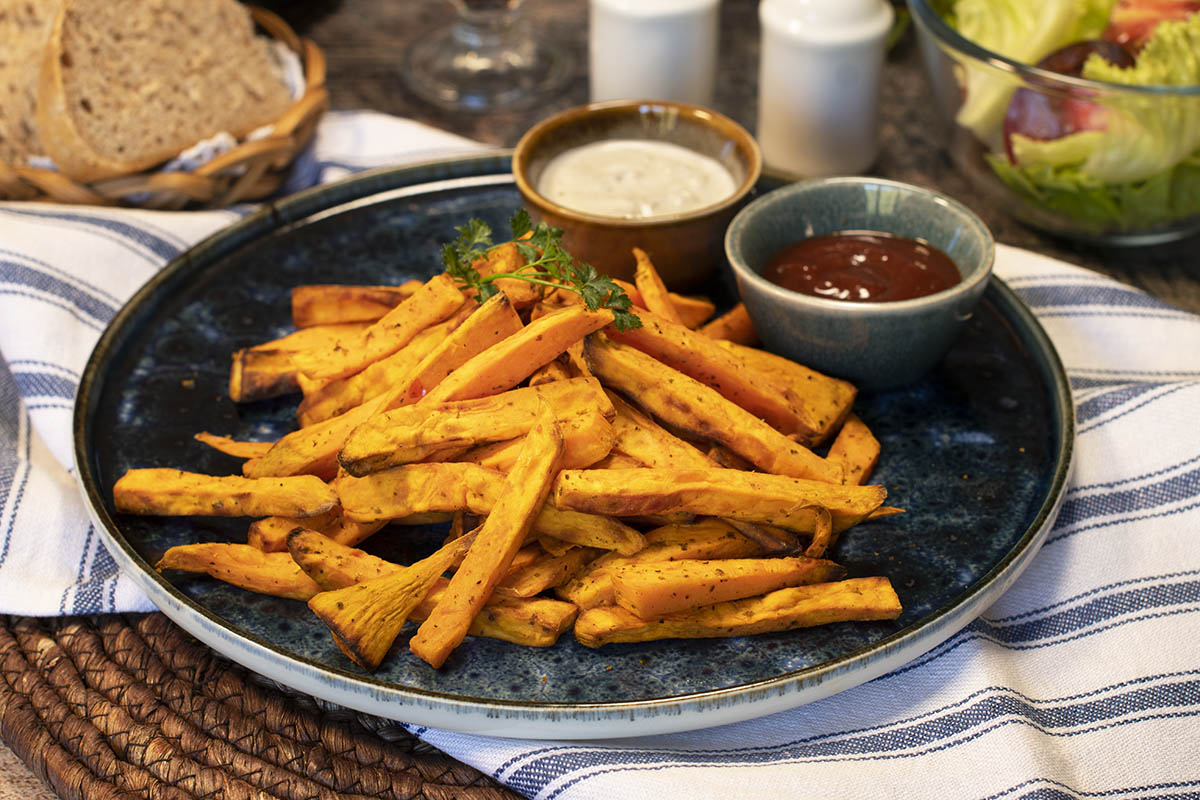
(1089, 126)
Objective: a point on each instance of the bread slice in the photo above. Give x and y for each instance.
(128, 84)
(24, 30)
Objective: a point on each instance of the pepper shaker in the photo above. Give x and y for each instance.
(653, 49)
(819, 74)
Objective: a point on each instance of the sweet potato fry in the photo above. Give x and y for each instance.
(707, 538)
(534, 621)
(826, 400)
(529, 621)
(588, 530)
(312, 450)
(545, 572)
(652, 289)
(692, 310)
(734, 326)
(489, 325)
(174, 492)
(269, 534)
(269, 369)
(420, 488)
(402, 492)
(327, 399)
(414, 433)
(688, 404)
(652, 590)
(232, 447)
(570, 362)
(885, 511)
(753, 496)
(855, 599)
(365, 618)
(243, 566)
(326, 304)
(614, 460)
(773, 540)
(700, 533)
(507, 258)
(510, 361)
(641, 442)
(822, 536)
(856, 448)
(548, 373)
(701, 357)
(587, 437)
(332, 565)
(722, 456)
(555, 547)
(499, 538)
(642, 439)
(306, 338)
(437, 299)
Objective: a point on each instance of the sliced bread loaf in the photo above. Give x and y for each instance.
(128, 84)
(24, 30)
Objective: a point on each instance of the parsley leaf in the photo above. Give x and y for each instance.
(546, 263)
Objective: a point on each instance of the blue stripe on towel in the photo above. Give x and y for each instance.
(1089, 487)
(1075, 296)
(85, 306)
(1086, 411)
(41, 384)
(52, 270)
(1168, 491)
(96, 574)
(1174, 695)
(115, 230)
(1099, 404)
(1059, 535)
(1093, 612)
(1046, 789)
(14, 455)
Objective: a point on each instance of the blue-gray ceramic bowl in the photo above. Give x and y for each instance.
(876, 345)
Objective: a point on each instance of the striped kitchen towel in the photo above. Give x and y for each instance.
(1083, 680)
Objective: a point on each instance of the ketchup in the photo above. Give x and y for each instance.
(862, 266)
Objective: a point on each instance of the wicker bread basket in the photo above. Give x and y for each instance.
(250, 171)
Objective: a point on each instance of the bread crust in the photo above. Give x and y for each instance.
(62, 138)
(24, 28)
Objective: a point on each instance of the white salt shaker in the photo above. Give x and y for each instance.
(819, 73)
(653, 49)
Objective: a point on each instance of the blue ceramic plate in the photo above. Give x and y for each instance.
(978, 453)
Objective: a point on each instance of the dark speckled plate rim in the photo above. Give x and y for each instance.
(529, 719)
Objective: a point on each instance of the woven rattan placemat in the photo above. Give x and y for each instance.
(116, 707)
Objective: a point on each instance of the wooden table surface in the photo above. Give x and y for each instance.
(364, 42)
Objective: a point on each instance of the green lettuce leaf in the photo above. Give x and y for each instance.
(1023, 30)
(1097, 206)
(1145, 133)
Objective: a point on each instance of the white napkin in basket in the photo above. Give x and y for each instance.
(1082, 681)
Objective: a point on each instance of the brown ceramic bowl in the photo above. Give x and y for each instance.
(685, 247)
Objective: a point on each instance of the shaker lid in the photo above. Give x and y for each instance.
(827, 21)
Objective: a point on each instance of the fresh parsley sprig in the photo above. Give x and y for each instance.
(547, 263)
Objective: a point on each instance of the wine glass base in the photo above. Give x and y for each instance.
(484, 77)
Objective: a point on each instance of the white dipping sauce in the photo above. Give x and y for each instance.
(634, 179)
